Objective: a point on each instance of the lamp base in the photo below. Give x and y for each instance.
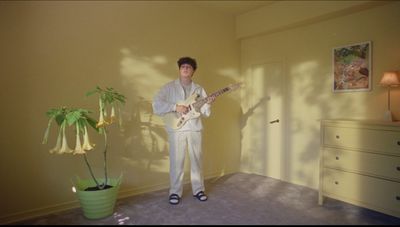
(388, 116)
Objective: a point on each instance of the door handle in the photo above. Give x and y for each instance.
(274, 121)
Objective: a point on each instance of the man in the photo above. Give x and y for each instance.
(187, 136)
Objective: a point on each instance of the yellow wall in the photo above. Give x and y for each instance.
(52, 53)
(306, 49)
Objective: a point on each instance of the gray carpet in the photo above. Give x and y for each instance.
(235, 199)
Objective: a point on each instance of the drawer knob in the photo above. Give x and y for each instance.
(336, 182)
(398, 142)
(398, 168)
(398, 198)
(337, 158)
(338, 137)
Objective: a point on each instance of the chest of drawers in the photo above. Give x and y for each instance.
(360, 164)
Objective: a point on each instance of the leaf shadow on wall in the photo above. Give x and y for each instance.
(145, 150)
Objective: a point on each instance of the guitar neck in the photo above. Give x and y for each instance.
(199, 103)
(220, 92)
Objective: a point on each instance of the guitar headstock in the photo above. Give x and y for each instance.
(235, 86)
(227, 89)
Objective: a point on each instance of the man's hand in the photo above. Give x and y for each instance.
(182, 109)
(210, 99)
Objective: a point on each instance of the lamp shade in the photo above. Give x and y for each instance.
(390, 79)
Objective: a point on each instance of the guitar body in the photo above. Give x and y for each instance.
(176, 120)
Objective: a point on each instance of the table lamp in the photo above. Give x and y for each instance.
(389, 80)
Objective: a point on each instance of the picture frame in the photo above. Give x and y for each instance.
(352, 67)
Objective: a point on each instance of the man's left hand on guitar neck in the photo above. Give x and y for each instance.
(210, 99)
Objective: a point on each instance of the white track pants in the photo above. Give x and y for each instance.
(178, 142)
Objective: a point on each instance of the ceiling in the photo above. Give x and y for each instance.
(233, 8)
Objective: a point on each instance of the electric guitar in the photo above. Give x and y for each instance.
(176, 120)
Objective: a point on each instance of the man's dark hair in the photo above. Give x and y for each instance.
(187, 60)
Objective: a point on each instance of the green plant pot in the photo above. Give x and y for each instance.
(97, 204)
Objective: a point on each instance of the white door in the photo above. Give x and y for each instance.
(264, 121)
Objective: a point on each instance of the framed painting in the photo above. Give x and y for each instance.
(352, 67)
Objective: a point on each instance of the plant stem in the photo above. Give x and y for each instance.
(105, 156)
(90, 170)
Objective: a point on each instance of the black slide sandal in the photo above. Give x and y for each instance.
(174, 199)
(201, 196)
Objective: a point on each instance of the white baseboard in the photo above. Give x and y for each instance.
(24, 215)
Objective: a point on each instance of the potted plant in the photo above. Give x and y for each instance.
(97, 196)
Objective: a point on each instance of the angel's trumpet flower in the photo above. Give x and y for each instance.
(78, 147)
(104, 111)
(46, 133)
(101, 122)
(87, 146)
(112, 117)
(64, 146)
(58, 144)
